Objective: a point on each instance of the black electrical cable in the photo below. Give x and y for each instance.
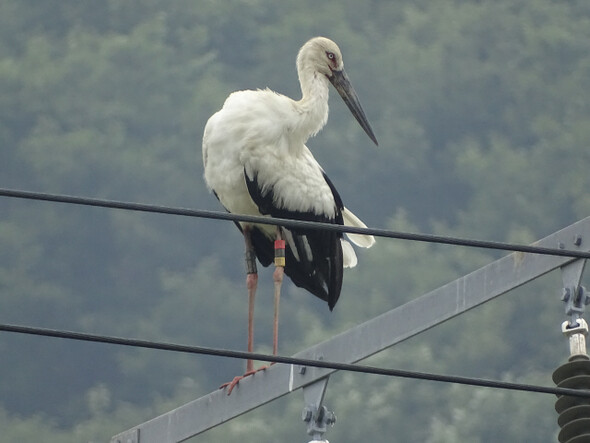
(470, 381)
(427, 238)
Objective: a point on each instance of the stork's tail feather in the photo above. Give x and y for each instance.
(364, 241)
(349, 259)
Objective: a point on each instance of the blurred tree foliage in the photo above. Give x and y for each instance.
(482, 117)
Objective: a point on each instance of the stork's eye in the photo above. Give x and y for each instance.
(331, 55)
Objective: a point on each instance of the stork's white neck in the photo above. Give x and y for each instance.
(313, 106)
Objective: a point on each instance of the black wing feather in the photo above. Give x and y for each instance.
(322, 275)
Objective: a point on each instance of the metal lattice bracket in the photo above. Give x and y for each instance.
(366, 339)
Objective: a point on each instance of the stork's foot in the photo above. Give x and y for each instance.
(232, 384)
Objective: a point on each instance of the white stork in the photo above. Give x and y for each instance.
(256, 163)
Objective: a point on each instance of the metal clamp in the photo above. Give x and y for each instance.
(575, 296)
(315, 415)
(318, 420)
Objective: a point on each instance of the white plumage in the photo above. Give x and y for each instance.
(256, 163)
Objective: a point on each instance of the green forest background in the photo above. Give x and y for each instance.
(482, 111)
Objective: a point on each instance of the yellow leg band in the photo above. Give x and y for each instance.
(280, 261)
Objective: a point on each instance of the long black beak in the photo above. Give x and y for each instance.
(342, 84)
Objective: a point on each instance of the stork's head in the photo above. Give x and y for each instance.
(323, 56)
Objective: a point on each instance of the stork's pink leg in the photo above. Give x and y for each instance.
(278, 282)
(251, 285)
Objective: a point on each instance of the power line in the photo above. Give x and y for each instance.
(289, 223)
(470, 381)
